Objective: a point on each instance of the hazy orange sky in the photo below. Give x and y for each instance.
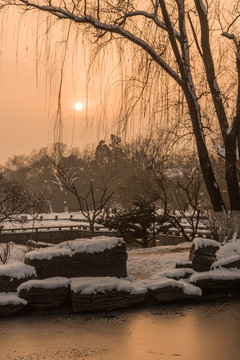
(28, 108)
(29, 88)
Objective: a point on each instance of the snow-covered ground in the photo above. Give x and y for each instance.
(144, 263)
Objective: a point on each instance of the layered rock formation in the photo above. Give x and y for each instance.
(232, 262)
(42, 294)
(10, 303)
(203, 254)
(12, 275)
(84, 257)
(217, 282)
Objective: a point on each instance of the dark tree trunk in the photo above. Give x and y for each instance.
(231, 174)
(205, 163)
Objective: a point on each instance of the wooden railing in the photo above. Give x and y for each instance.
(49, 228)
(201, 232)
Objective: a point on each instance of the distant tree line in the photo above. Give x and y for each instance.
(125, 170)
(114, 183)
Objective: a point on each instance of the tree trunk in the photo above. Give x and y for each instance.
(205, 163)
(91, 226)
(145, 243)
(231, 173)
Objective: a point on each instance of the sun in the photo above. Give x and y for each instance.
(78, 106)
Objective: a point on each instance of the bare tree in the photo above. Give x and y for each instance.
(91, 197)
(15, 200)
(170, 34)
(177, 192)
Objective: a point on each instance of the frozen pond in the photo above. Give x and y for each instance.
(204, 331)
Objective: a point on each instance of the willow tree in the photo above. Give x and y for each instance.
(179, 37)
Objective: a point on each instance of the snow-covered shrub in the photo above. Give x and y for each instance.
(223, 226)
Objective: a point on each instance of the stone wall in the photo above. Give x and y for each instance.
(53, 237)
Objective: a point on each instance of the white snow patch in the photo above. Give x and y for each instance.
(174, 273)
(17, 270)
(47, 253)
(221, 150)
(201, 242)
(225, 261)
(162, 282)
(217, 274)
(50, 283)
(69, 248)
(93, 245)
(17, 253)
(11, 299)
(231, 248)
(91, 285)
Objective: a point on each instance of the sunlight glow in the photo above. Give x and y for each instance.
(78, 106)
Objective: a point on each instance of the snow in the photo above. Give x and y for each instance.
(143, 263)
(93, 245)
(17, 253)
(217, 274)
(174, 273)
(220, 150)
(69, 248)
(17, 270)
(92, 285)
(164, 282)
(201, 242)
(50, 283)
(11, 299)
(47, 253)
(225, 261)
(230, 248)
(89, 285)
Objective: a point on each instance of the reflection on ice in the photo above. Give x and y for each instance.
(192, 332)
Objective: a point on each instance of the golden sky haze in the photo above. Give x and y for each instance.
(29, 89)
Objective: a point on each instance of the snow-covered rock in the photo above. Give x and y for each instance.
(91, 285)
(51, 283)
(165, 289)
(180, 273)
(203, 254)
(217, 282)
(99, 256)
(70, 248)
(47, 293)
(230, 248)
(17, 270)
(200, 243)
(228, 263)
(10, 303)
(13, 274)
(106, 293)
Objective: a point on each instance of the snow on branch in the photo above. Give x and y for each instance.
(153, 17)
